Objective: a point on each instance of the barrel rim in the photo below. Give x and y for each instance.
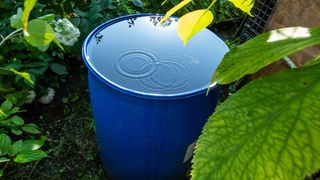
(117, 87)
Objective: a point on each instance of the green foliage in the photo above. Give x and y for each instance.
(6, 107)
(16, 20)
(198, 22)
(16, 120)
(263, 50)
(92, 13)
(5, 144)
(137, 3)
(88, 19)
(269, 129)
(22, 56)
(224, 10)
(24, 75)
(20, 151)
(58, 44)
(31, 128)
(28, 156)
(47, 17)
(22, 62)
(31, 144)
(1, 161)
(40, 33)
(58, 68)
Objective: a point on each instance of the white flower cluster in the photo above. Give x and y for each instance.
(66, 32)
(46, 99)
(30, 97)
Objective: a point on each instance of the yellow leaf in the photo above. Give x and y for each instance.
(174, 9)
(244, 5)
(192, 23)
(55, 40)
(24, 75)
(2, 113)
(28, 6)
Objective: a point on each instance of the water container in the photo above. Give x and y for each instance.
(148, 94)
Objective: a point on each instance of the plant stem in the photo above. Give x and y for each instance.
(9, 36)
(214, 1)
(4, 69)
(33, 169)
(163, 2)
(5, 166)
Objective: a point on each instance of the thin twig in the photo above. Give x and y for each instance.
(5, 166)
(9, 36)
(212, 3)
(33, 168)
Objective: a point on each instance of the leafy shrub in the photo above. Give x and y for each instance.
(270, 128)
(22, 62)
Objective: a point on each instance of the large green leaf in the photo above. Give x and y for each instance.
(17, 120)
(31, 144)
(6, 106)
(31, 128)
(28, 156)
(16, 20)
(16, 147)
(270, 129)
(244, 5)
(192, 23)
(43, 48)
(27, 145)
(5, 144)
(174, 9)
(40, 33)
(3, 159)
(262, 50)
(137, 3)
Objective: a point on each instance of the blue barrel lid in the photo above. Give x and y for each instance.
(136, 55)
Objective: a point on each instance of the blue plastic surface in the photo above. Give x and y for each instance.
(148, 94)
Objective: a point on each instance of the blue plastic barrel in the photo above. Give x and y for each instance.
(148, 94)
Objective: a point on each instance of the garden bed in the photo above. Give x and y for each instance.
(68, 124)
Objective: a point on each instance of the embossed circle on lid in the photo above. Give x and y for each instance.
(137, 55)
